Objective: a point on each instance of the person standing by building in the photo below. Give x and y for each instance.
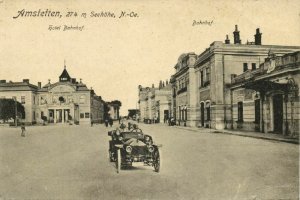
(106, 122)
(111, 122)
(23, 130)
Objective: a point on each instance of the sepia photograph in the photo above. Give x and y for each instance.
(149, 100)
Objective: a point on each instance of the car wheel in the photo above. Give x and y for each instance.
(156, 161)
(118, 162)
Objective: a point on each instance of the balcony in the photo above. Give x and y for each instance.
(182, 90)
(248, 75)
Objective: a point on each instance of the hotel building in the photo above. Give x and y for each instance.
(65, 101)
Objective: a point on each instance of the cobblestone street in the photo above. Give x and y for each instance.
(71, 162)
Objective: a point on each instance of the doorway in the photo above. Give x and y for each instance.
(202, 114)
(278, 113)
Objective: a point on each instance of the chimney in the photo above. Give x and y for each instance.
(25, 80)
(227, 41)
(257, 37)
(39, 85)
(152, 85)
(236, 35)
(167, 83)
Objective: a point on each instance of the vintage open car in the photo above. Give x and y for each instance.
(128, 146)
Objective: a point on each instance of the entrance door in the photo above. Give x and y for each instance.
(278, 113)
(166, 115)
(257, 114)
(202, 114)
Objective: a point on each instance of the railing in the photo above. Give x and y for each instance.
(184, 89)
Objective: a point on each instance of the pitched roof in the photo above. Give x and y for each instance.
(65, 74)
(17, 86)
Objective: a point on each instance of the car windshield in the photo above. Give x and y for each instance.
(128, 135)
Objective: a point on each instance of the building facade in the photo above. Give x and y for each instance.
(155, 103)
(66, 101)
(201, 84)
(267, 99)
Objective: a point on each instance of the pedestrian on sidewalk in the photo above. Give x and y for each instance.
(106, 122)
(23, 130)
(111, 122)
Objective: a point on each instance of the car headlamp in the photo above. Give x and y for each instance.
(128, 149)
(150, 148)
(120, 138)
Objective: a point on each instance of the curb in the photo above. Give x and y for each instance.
(291, 141)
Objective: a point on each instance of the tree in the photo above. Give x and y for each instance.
(106, 110)
(8, 109)
(116, 102)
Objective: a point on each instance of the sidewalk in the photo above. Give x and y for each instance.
(258, 135)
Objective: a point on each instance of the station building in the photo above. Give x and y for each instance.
(267, 99)
(64, 101)
(201, 83)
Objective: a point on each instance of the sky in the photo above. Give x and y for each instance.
(115, 55)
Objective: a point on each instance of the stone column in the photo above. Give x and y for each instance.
(63, 115)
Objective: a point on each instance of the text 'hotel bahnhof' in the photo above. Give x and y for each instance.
(249, 86)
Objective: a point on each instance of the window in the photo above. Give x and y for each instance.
(240, 111)
(207, 74)
(42, 114)
(81, 115)
(245, 67)
(22, 99)
(257, 111)
(55, 99)
(33, 115)
(87, 115)
(253, 66)
(82, 99)
(70, 99)
(201, 78)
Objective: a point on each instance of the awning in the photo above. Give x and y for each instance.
(265, 86)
